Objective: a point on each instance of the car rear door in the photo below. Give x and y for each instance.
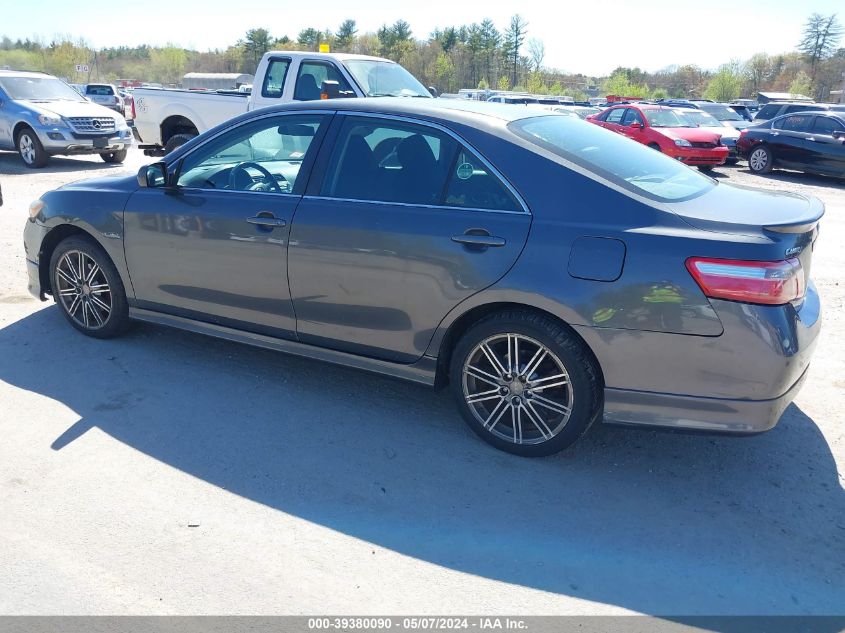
(824, 152)
(401, 222)
(212, 246)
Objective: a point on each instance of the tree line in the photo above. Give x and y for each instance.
(477, 55)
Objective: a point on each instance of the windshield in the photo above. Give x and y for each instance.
(723, 113)
(384, 79)
(634, 166)
(665, 118)
(99, 90)
(44, 88)
(700, 118)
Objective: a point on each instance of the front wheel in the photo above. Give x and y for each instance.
(88, 288)
(705, 168)
(114, 157)
(30, 149)
(760, 160)
(524, 383)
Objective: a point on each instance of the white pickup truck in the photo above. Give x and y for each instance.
(166, 118)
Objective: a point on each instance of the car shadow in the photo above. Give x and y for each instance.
(11, 165)
(798, 178)
(659, 523)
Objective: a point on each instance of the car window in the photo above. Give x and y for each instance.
(309, 80)
(472, 185)
(274, 79)
(615, 116)
(241, 160)
(794, 123)
(768, 112)
(389, 161)
(827, 125)
(631, 116)
(632, 166)
(100, 91)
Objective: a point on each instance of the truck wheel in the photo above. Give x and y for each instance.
(176, 140)
(30, 149)
(114, 157)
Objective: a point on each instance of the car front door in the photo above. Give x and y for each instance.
(825, 153)
(405, 223)
(212, 245)
(788, 140)
(632, 124)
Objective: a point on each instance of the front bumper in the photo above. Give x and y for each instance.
(61, 140)
(699, 155)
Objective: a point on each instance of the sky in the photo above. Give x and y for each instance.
(590, 37)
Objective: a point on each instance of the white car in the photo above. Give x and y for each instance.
(728, 134)
(105, 95)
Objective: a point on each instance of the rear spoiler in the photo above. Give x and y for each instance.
(805, 224)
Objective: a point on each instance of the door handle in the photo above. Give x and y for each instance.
(266, 220)
(479, 241)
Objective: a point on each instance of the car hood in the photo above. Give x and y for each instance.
(122, 183)
(724, 132)
(746, 210)
(739, 125)
(69, 108)
(696, 134)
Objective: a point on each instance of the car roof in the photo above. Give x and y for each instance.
(23, 73)
(340, 56)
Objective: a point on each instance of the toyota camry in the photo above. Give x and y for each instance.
(550, 272)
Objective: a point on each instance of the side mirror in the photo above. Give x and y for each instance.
(433, 91)
(330, 89)
(636, 125)
(153, 176)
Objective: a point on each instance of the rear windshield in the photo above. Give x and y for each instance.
(102, 91)
(632, 166)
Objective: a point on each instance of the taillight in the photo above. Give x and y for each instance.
(768, 283)
(133, 108)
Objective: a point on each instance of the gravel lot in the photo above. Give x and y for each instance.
(168, 473)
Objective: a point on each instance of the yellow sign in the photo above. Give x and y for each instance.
(324, 48)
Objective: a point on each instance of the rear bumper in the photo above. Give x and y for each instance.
(691, 413)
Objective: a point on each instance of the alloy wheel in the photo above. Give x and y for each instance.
(758, 160)
(517, 388)
(83, 290)
(27, 148)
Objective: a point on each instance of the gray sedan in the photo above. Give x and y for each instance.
(550, 272)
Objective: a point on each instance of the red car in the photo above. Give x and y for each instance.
(665, 130)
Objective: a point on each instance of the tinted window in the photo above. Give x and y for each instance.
(798, 108)
(633, 166)
(795, 123)
(277, 145)
(471, 185)
(310, 80)
(826, 125)
(768, 111)
(631, 116)
(389, 161)
(615, 116)
(101, 91)
(274, 80)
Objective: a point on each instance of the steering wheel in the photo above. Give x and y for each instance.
(242, 167)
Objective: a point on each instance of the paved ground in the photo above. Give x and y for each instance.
(169, 473)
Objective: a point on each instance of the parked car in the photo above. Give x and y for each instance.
(664, 129)
(166, 118)
(431, 241)
(752, 105)
(779, 108)
(41, 116)
(105, 95)
(582, 111)
(728, 134)
(806, 141)
(513, 99)
(723, 112)
(742, 111)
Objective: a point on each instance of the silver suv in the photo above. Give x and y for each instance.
(41, 116)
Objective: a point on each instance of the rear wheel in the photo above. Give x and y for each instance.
(176, 140)
(88, 288)
(760, 160)
(524, 383)
(30, 149)
(705, 168)
(114, 157)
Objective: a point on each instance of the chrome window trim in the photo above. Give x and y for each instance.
(456, 137)
(413, 205)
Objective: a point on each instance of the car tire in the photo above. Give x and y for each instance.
(114, 158)
(176, 140)
(760, 160)
(88, 289)
(655, 146)
(540, 405)
(30, 149)
(705, 168)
